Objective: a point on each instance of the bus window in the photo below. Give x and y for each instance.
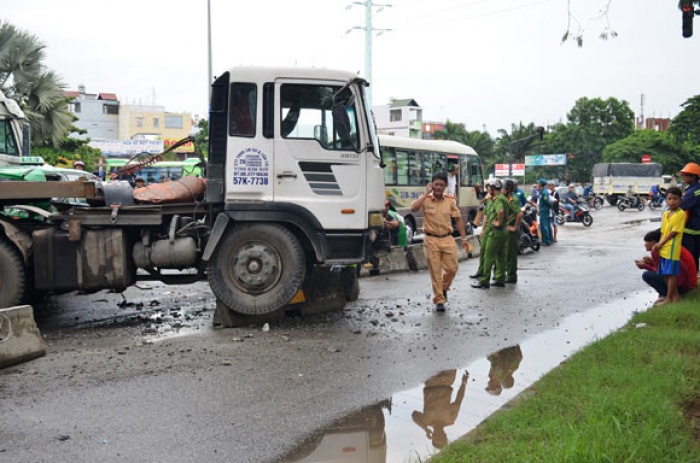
(475, 175)
(415, 169)
(428, 164)
(389, 157)
(440, 163)
(401, 168)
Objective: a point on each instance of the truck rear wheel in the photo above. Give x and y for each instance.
(257, 268)
(13, 277)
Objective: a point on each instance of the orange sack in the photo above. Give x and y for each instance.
(186, 189)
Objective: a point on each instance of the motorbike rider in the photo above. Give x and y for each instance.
(631, 196)
(519, 193)
(571, 202)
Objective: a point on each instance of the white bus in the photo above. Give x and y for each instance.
(410, 165)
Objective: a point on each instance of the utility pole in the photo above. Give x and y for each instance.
(369, 30)
(209, 47)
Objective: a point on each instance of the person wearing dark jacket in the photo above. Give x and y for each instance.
(690, 203)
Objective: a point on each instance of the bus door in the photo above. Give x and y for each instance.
(453, 159)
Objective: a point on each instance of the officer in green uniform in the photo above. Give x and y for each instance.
(515, 216)
(495, 255)
(484, 237)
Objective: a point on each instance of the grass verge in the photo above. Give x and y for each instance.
(631, 397)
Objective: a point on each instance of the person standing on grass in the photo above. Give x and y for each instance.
(690, 203)
(669, 248)
(439, 245)
(687, 273)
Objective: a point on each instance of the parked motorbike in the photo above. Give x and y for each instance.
(582, 215)
(625, 203)
(528, 239)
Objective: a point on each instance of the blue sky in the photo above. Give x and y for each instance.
(485, 63)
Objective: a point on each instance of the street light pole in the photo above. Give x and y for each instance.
(539, 133)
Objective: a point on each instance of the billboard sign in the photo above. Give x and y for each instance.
(124, 148)
(546, 160)
(517, 170)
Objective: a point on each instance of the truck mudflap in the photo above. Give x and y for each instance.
(325, 289)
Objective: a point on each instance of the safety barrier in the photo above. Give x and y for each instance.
(20, 339)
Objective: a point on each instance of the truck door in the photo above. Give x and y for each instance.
(317, 160)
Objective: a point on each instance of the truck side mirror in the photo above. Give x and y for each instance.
(26, 140)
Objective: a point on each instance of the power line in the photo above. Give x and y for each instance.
(475, 16)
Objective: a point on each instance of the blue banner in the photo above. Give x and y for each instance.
(546, 160)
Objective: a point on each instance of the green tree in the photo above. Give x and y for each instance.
(201, 138)
(38, 91)
(594, 123)
(685, 127)
(481, 142)
(659, 145)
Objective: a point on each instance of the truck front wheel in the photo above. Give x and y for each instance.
(13, 277)
(257, 268)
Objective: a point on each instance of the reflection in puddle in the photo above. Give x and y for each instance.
(416, 423)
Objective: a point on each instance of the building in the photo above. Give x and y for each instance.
(142, 122)
(97, 113)
(660, 124)
(400, 117)
(103, 117)
(432, 129)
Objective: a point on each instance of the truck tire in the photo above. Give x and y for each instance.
(13, 277)
(257, 268)
(351, 283)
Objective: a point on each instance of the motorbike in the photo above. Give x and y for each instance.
(656, 203)
(624, 203)
(582, 214)
(595, 202)
(527, 239)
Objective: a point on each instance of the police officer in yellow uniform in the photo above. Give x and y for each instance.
(439, 245)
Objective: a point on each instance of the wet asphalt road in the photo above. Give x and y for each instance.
(149, 380)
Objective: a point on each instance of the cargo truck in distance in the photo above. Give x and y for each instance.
(613, 179)
(294, 183)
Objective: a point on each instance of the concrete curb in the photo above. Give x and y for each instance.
(413, 258)
(20, 339)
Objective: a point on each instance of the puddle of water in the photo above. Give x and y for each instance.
(415, 424)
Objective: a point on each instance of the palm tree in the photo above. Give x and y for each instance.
(38, 91)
